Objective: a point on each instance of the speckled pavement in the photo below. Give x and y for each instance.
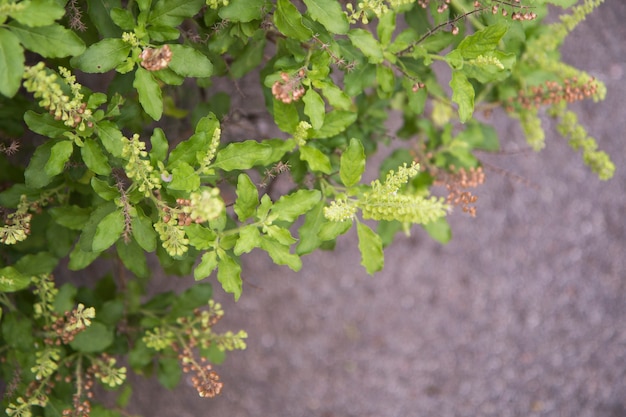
(523, 313)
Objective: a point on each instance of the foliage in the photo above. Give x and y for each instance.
(88, 174)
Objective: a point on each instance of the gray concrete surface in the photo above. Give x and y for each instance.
(522, 314)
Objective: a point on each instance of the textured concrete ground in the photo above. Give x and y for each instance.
(523, 313)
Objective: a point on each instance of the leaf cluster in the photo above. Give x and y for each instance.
(97, 168)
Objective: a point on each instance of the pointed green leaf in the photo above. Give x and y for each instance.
(149, 93)
(80, 259)
(329, 14)
(159, 143)
(439, 230)
(44, 124)
(280, 253)
(102, 56)
(317, 160)
(331, 230)
(335, 96)
(94, 158)
(173, 12)
(483, 41)
(189, 62)
(12, 280)
(335, 122)
(95, 338)
(314, 108)
(365, 41)
(184, 178)
(242, 10)
(285, 116)
(207, 265)
(108, 231)
(247, 198)
(52, 41)
(37, 264)
(59, 155)
(308, 232)
(371, 248)
(72, 217)
(104, 190)
(290, 207)
(11, 63)
(463, 95)
(133, 257)
(229, 275)
(288, 20)
(35, 175)
(111, 137)
(249, 238)
(352, 163)
(200, 237)
(386, 27)
(143, 231)
(242, 155)
(38, 12)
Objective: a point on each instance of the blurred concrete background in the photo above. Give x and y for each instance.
(523, 313)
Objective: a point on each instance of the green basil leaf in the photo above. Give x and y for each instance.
(247, 198)
(242, 155)
(317, 160)
(285, 116)
(439, 230)
(37, 264)
(290, 207)
(111, 137)
(189, 62)
(44, 124)
(365, 41)
(11, 63)
(38, 12)
(108, 231)
(371, 248)
(308, 232)
(331, 230)
(80, 259)
(483, 41)
(133, 257)
(173, 12)
(335, 122)
(288, 20)
(94, 158)
(52, 41)
(314, 108)
(95, 338)
(463, 95)
(248, 239)
(12, 280)
(149, 93)
(242, 10)
(72, 217)
(123, 18)
(169, 372)
(280, 253)
(59, 155)
(99, 12)
(352, 163)
(35, 175)
(104, 190)
(229, 275)
(329, 14)
(102, 56)
(207, 265)
(200, 237)
(143, 231)
(184, 178)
